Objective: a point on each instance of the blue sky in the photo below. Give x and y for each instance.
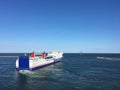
(91, 26)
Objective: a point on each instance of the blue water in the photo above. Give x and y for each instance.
(74, 72)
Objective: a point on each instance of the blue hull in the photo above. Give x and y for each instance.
(57, 60)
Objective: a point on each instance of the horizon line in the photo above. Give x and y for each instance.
(73, 52)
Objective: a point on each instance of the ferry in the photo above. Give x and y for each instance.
(34, 61)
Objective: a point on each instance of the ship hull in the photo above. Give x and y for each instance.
(28, 65)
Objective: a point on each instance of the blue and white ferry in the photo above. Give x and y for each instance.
(34, 61)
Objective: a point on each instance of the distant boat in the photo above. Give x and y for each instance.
(81, 53)
(33, 62)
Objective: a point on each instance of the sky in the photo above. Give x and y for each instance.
(74, 26)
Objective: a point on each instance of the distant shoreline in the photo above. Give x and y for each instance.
(108, 58)
(9, 56)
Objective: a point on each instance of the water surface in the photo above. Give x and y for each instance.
(74, 72)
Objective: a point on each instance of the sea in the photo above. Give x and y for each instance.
(75, 72)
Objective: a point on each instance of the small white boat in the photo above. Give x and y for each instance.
(33, 61)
